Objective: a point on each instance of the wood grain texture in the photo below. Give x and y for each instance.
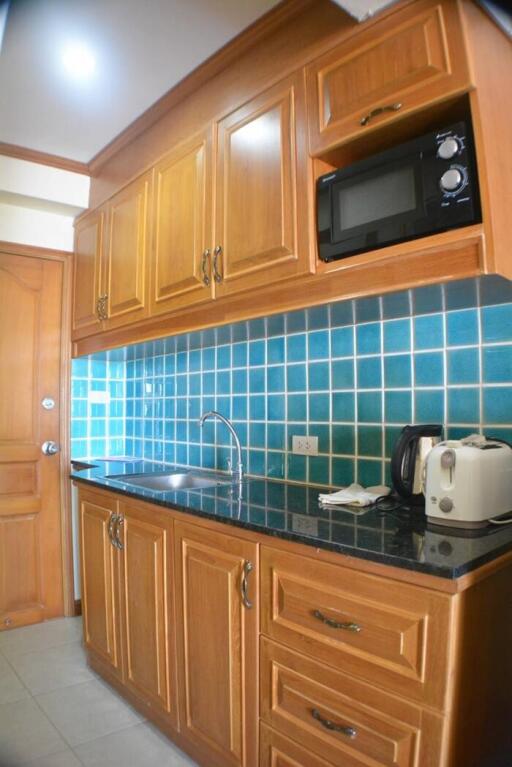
(87, 273)
(276, 750)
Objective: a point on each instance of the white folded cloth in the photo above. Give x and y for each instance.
(354, 495)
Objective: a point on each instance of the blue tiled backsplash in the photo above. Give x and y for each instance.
(351, 373)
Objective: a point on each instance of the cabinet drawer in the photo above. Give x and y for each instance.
(342, 719)
(278, 751)
(394, 634)
(413, 57)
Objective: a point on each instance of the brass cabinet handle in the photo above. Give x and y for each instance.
(351, 732)
(101, 307)
(378, 111)
(98, 309)
(217, 276)
(117, 541)
(247, 569)
(335, 624)
(204, 261)
(111, 523)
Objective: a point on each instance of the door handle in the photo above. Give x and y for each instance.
(117, 525)
(244, 586)
(217, 276)
(50, 448)
(204, 261)
(111, 523)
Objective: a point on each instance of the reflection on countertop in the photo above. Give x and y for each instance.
(292, 512)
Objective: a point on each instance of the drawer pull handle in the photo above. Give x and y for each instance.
(111, 523)
(378, 111)
(336, 624)
(350, 732)
(204, 262)
(247, 569)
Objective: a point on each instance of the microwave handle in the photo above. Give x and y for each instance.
(378, 111)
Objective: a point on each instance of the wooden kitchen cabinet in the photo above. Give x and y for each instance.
(100, 587)
(181, 257)
(397, 65)
(87, 282)
(217, 646)
(262, 190)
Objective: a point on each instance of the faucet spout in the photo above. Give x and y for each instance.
(237, 472)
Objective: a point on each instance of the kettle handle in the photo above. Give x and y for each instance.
(403, 459)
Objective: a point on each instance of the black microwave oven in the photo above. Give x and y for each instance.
(424, 186)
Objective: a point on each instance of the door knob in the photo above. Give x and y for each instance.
(50, 448)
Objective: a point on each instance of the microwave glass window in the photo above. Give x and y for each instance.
(376, 198)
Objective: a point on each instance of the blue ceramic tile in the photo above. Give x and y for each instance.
(462, 327)
(295, 378)
(398, 406)
(397, 335)
(429, 406)
(257, 409)
(323, 433)
(296, 348)
(369, 440)
(463, 366)
(194, 384)
(275, 465)
(317, 318)
(256, 462)
(276, 407)
(429, 369)
(369, 373)
(427, 299)
(239, 408)
(368, 338)
(275, 350)
(342, 342)
(319, 470)
(257, 328)
(297, 468)
(296, 321)
(294, 429)
(343, 406)
(239, 381)
(343, 471)
(369, 473)
(463, 406)
(275, 378)
(275, 325)
(497, 404)
(80, 367)
(240, 355)
(343, 439)
(207, 359)
(343, 374)
(318, 345)
(369, 406)
(428, 332)
(257, 353)
(257, 380)
(319, 407)
(318, 376)
(391, 435)
(342, 313)
(208, 383)
(460, 294)
(396, 305)
(495, 290)
(276, 436)
(257, 434)
(497, 364)
(397, 371)
(296, 407)
(367, 309)
(497, 323)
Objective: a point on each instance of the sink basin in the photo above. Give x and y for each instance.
(166, 481)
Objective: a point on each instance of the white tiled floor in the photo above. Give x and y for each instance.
(55, 712)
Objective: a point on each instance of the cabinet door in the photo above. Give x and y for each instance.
(87, 274)
(413, 57)
(99, 578)
(278, 751)
(181, 259)
(217, 647)
(262, 190)
(126, 254)
(148, 614)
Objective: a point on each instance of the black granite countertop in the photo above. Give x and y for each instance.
(289, 511)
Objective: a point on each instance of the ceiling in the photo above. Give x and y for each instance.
(137, 50)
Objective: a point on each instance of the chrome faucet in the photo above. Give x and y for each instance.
(237, 473)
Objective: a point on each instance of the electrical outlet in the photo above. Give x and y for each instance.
(305, 445)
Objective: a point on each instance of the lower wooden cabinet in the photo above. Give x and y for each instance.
(278, 751)
(217, 601)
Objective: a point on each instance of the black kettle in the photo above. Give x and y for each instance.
(408, 459)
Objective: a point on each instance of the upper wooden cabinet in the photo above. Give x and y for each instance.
(87, 274)
(411, 58)
(262, 208)
(181, 256)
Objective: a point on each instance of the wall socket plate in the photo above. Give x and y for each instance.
(305, 445)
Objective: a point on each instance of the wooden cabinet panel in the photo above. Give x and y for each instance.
(148, 625)
(126, 253)
(262, 190)
(87, 274)
(391, 633)
(181, 258)
(99, 578)
(307, 701)
(217, 648)
(413, 57)
(278, 751)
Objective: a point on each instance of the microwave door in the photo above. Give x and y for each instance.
(378, 206)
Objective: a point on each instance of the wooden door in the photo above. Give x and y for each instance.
(31, 571)
(410, 59)
(181, 258)
(126, 253)
(100, 573)
(217, 645)
(262, 190)
(87, 274)
(148, 607)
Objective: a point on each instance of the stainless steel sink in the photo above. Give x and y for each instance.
(166, 481)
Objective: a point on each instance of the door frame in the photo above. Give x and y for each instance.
(65, 258)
